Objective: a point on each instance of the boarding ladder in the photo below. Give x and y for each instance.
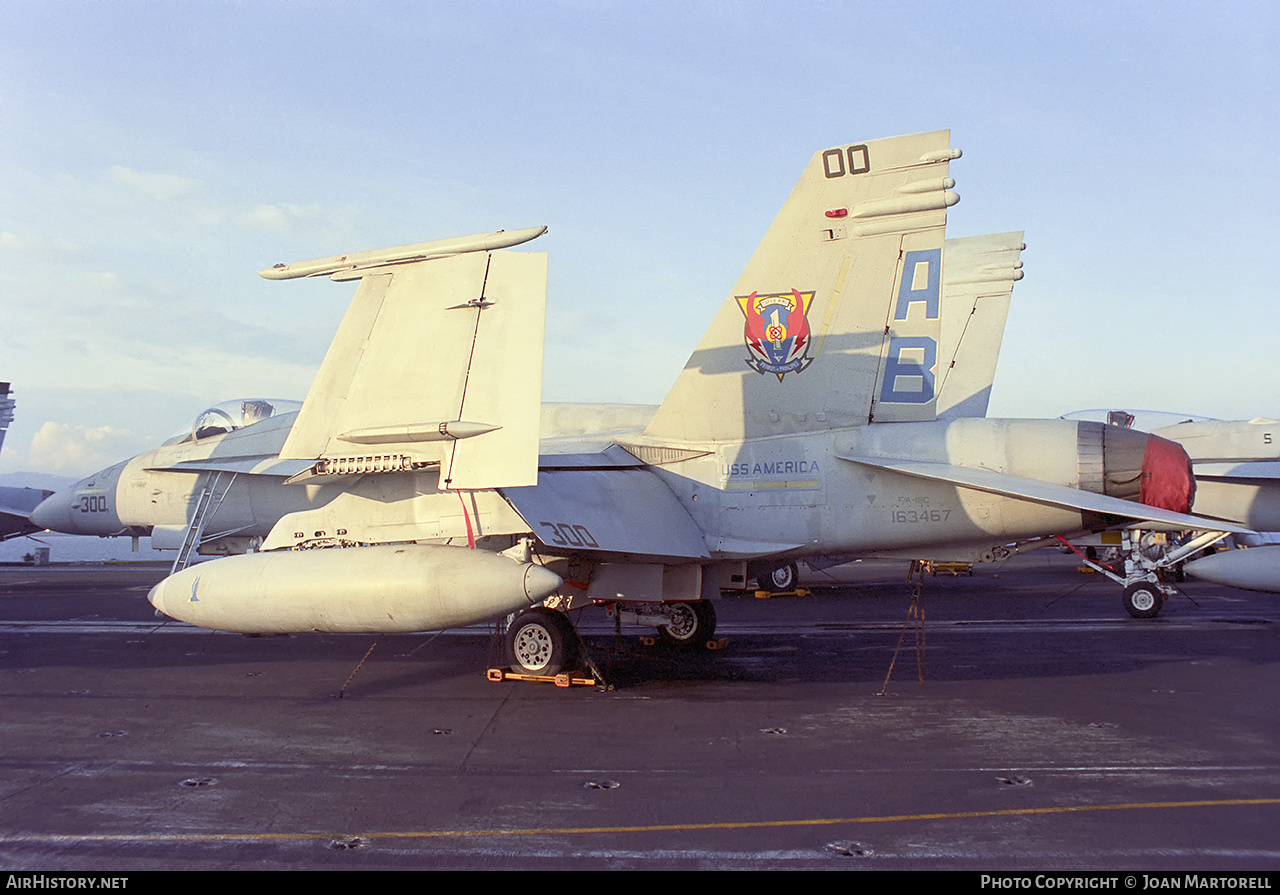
(216, 486)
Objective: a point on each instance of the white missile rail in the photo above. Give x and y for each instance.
(346, 267)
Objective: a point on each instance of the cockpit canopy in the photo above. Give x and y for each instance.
(232, 415)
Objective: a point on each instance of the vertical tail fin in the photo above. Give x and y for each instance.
(835, 320)
(976, 286)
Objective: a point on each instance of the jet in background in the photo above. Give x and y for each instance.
(16, 504)
(1237, 470)
(1237, 466)
(411, 491)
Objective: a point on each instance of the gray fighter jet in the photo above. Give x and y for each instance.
(1237, 470)
(412, 492)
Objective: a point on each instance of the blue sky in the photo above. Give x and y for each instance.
(155, 155)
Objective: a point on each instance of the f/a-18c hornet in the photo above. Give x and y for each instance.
(1237, 469)
(1237, 466)
(412, 492)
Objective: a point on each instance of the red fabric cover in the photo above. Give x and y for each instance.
(1167, 481)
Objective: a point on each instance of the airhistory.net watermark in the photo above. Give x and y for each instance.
(64, 881)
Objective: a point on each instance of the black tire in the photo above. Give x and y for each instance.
(541, 641)
(692, 625)
(783, 579)
(1142, 600)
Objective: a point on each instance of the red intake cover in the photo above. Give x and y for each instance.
(1167, 481)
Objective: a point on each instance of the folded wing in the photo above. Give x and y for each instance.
(438, 362)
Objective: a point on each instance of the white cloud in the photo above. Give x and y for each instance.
(278, 218)
(164, 187)
(77, 451)
(36, 246)
(265, 217)
(104, 280)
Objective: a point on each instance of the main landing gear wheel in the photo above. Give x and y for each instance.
(783, 579)
(691, 624)
(1142, 600)
(541, 641)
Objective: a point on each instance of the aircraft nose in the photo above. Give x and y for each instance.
(54, 512)
(86, 508)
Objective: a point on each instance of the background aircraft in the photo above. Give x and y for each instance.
(806, 422)
(1237, 470)
(16, 504)
(1237, 466)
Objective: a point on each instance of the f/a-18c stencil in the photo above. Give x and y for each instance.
(411, 490)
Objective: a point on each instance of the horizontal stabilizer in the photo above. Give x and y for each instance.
(611, 457)
(1044, 492)
(21, 501)
(616, 511)
(1249, 469)
(339, 266)
(16, 506)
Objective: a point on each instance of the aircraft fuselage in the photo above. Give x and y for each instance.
(786, 495)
